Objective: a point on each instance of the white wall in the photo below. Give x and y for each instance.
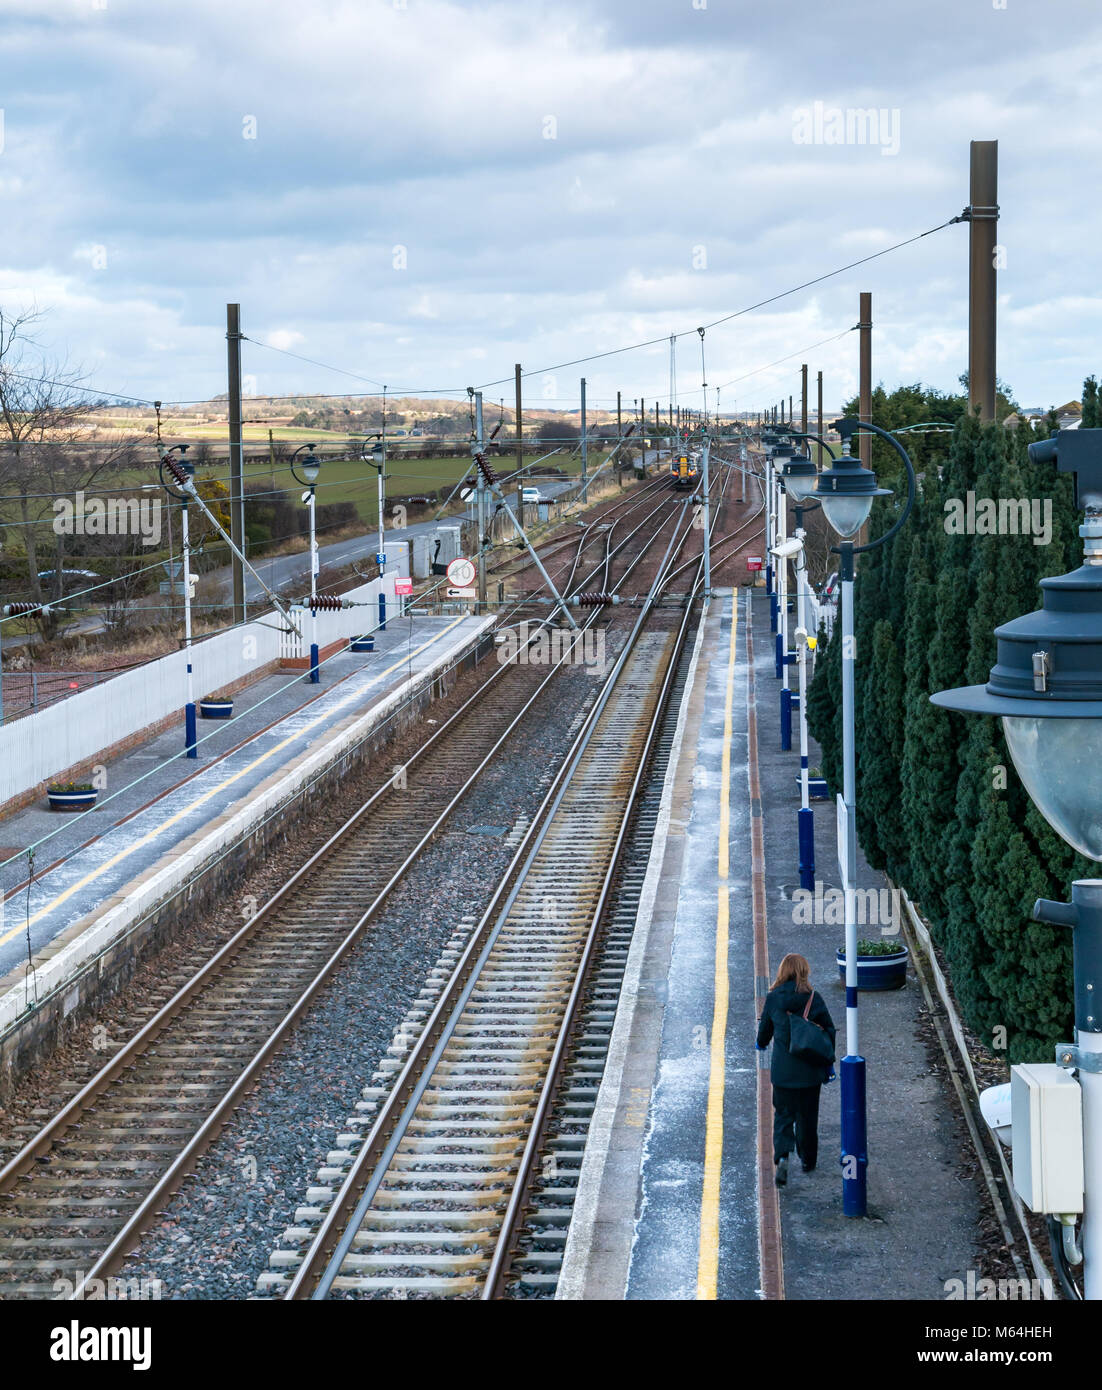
(75, 730)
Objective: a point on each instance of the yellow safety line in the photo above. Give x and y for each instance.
(226, 782)
(708, 1265)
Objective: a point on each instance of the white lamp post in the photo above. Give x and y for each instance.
(846, 492)
(311, 470)
(181, 470)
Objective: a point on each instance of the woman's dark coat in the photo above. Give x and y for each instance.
(784, 1069)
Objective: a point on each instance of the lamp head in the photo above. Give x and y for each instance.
(311, 468)
(800, 476)
(845, 489)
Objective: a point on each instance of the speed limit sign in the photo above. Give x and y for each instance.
(461, 572)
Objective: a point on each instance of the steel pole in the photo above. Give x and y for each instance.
(480, 503)
(315, 673)
(191, 749)
(237, 469)
(854, 1126)
(707, 526)
(585, 449)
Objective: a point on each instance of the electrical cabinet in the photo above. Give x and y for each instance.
(1047, 1125)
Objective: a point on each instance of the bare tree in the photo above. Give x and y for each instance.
(43, 409)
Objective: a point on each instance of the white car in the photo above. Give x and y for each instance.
(530, 494)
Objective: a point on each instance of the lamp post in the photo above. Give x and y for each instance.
(1046, 686)
(180, 470)
(800, 479)
(308, 478)
(768, 440)
(846, 492)
(378, 462)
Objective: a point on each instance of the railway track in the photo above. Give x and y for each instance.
(435, 1193)
(77, 1196)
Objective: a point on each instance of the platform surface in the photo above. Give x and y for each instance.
(676, 1198)
(155, 798)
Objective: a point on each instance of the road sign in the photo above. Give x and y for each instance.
(753, 562)
(462, 593)
(403, 586)
(462, 572)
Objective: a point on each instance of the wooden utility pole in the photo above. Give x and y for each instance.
(983, 210)
(619, 422)
(520, 421)
(803, 398)
(237, 469)
(864, 326)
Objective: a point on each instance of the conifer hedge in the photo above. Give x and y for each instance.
(939, 805)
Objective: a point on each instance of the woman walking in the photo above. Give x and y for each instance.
(799, 1024)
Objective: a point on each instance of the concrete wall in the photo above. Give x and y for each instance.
(70, 733)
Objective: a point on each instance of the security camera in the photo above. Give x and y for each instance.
(787, 548)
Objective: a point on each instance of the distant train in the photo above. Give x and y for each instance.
(685, 467)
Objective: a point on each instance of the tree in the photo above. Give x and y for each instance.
(42, 408)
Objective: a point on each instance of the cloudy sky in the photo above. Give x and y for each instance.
(423, 192)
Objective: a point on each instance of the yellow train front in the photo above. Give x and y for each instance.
(685, 468)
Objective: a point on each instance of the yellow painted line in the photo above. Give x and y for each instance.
(221, 786)
(707, 1273)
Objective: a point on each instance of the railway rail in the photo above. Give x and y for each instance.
(78, 1195)
(436, 1195)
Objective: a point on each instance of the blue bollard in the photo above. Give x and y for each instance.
(315, 673)
(778, 657)
(769, 580)
(786, 721)
(855, 1158)
(190, 744)
(806, 822)
(382, 612)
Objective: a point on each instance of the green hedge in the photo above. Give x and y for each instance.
(940, 807)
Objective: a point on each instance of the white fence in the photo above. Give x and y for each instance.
(73, 731)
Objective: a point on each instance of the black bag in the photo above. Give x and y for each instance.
(806, 1040)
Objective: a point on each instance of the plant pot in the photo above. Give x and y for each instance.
(362, 644)
(215, 709)
(71, 801)
(816, 788)
(877, 972)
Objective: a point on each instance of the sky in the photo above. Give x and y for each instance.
(421, 193)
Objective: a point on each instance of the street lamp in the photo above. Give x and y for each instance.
(846, 492)
(311, 469)
(181, 471)
(1046, 686)
(378, 462)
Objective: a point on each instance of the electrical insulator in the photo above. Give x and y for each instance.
(328, 603)
(19, 610)
(181, 475)
(486, 470)
(594, 600)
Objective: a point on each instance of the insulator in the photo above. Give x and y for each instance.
(179, 473)
(486, 469)
(594, 600)
(18, 610)
(328, 603)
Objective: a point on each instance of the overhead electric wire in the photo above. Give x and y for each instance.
(738, 313)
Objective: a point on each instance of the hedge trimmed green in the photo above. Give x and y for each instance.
(939, 805)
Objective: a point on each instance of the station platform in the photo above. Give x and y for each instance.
(676, 1196)
(163, 816)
